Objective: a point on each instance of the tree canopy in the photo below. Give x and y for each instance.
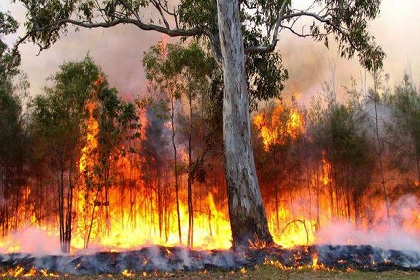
(262, 21)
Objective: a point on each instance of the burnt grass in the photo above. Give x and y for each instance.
(170, 260)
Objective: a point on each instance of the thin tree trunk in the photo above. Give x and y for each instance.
(61, 219)
(276, 182)
(246, 210)
(175, 168)
(378, 141)
(92, 218)
(17, 198)
(318, 202)
(190, 198)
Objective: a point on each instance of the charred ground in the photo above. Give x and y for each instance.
(171, 261)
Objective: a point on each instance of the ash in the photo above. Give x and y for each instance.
(170, 259)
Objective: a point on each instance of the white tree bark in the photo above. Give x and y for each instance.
(246, 210)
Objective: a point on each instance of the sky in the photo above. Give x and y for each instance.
(119, 52)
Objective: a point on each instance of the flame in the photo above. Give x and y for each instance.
(87, 160)
(282, 124)
(132, 212)
(315, 261)
(127, 273)
(86, 201)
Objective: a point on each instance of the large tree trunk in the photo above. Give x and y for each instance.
(247, 215)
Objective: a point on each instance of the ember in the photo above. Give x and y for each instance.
(172, 259)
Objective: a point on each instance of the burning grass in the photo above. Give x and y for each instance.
(301, 262)
(262, 273)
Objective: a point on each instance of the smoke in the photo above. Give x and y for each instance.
(401, 236)
(311, 63)
(32, 241)
(305, 63)
(119, 52)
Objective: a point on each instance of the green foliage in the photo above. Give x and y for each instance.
(347, 21)
(349, 144)
(59, 116)
(341, 132)
(185, 73)
(340, 136)
(265, 77)
(14, 142)
(13, 139)
(199, 13)
(9, 59)
(265, 71)
(404, 128)
(180, 70)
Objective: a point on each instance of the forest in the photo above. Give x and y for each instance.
(212, 153)
(87, 166)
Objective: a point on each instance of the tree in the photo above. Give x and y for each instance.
(56, 127)
(118, 125)
(340, 131)
(403, 132)
(229, 25)
(164, 82)
(185, 73)
(154, 153)
(13, 139)
(77, 127)
(281, 128)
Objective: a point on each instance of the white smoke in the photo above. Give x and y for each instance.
(33, 241)
(402, 236)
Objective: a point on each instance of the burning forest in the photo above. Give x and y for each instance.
(92, 183)
(139, 186)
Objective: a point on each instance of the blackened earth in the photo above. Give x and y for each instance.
(170, 259)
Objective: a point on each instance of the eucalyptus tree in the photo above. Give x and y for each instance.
(403, 131)
(118, 125)
(155, 154)
(9, 58)
(164, 83)
(339, 131)
(235, 29)
(13, 138)
(57, 119)
(194, 68)
(60, 130)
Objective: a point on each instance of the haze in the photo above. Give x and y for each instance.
(119, 52)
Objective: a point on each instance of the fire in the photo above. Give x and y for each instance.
(86, 160)
(315, 261)
(127, 273)
(135, 206)
(279, 126)
(131, 212)
(87, 199)
(20, 271)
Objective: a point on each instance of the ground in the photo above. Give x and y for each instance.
(261, 273)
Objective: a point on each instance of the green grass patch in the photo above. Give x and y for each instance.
(264, 272)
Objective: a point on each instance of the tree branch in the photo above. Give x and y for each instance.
(55, 26)
(270, 47)
(158, 7)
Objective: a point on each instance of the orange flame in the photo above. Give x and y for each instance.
(279, 126)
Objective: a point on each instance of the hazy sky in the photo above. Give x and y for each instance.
(119, 52)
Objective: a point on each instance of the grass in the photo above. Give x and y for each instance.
(265, 272)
